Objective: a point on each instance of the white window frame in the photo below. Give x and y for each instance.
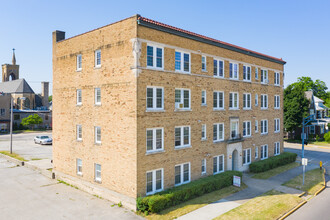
(97, 65)
(216, 95)
(204, 97)
(182, 99)
(96, 90)
(203, 167)
(96, 128)
(218, 158)
(79, 132)
(256, 73)
(154, 98)
(277, 148)
(247, 101)
(218, 73)
(277, 125)
(154, 181)
(79, 96)
(256, 126)
(232, 121)
(79, 166)
(263, 126)
(233, 107)
(181, 70)
(182, 145)
(247, 156)
(263, 151)
(232, 74)
(79, 62)
(277, 102)
(256, 100)
(256, 153)
(204, 137)
(218, 125)
(277, 79)
(204, 63)
(264, 76)
(154, 57)
(245, 73)
(154, 139)
(182, 174)
(264, 101)
(96, 177)
(247, 127)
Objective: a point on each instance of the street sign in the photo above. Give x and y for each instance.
(237, 181)
(304, 161)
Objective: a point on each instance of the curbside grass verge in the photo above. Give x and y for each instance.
(324, 184)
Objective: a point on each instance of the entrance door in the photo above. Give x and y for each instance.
(234, 160)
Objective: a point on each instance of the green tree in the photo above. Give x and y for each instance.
(50, 98)
(32, 120)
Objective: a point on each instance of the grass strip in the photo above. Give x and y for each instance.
(13, 155)
(275, 171)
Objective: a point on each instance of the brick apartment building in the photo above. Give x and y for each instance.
(141, 106)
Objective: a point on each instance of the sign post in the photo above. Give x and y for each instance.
(304, 162)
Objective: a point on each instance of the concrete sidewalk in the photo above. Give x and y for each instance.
(255, 188)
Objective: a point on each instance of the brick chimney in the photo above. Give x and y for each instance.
(45, 93)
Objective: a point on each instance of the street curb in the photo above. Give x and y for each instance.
(292, 210)
(324, 184)
(301, 194)
(13, 160)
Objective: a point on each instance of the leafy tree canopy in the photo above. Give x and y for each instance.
(32, 120)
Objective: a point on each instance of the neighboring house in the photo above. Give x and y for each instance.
(25, 101)
(140, 106)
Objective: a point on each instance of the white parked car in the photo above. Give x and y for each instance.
(43, 139)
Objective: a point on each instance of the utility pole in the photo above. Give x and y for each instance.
(11, 124)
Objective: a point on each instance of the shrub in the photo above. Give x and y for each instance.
(327, 137)
(272, 162)
(176, 195)
(317, 138)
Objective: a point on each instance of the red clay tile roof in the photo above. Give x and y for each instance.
(140, 18)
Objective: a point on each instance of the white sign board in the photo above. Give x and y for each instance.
(304, 161)
(237, 181)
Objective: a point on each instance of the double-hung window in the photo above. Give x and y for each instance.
(182, 136)
(79, 97)
(154, 181)
(155, 98)
(276, 101)
(233, 71)
(264, 152)
(264, 101)
(182, 99)
(97, 96)
(234, 129)
(155, 139)
(97, 134)
(97, 172)
(276, 125)
(204, 166)
(203, 97)
(2, 112)
(204, 63)
(276, 78)
(218, 132)
(233, 100)
(246, 73)
(247, 156)
(203, 131)
(218, 100)
(79, 62)
(98, 58)
(79, 167)
(155, 57)
(182, 174)
(312, 129)
(218, 68)
(264, 76)
(256, 73)
(79, 133)
(218, 164)
(276, 148)
(264, 126)
(256, 153)
(246, 101)
(256, 126)
(182, 62)
(256, 100)
(246, 128)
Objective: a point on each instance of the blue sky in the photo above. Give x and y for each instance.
(297, 31)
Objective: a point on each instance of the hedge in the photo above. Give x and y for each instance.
(272, 162)
(327, 136)
(176, 195)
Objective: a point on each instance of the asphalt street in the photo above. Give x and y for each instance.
(26, 194)
(318, 207)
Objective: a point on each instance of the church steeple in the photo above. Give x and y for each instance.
(14, 58)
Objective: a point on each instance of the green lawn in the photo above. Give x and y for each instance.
(275, 171)
(270, 205)
(195, 203)
(28, 131)
(314, 181)
(13, 155)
